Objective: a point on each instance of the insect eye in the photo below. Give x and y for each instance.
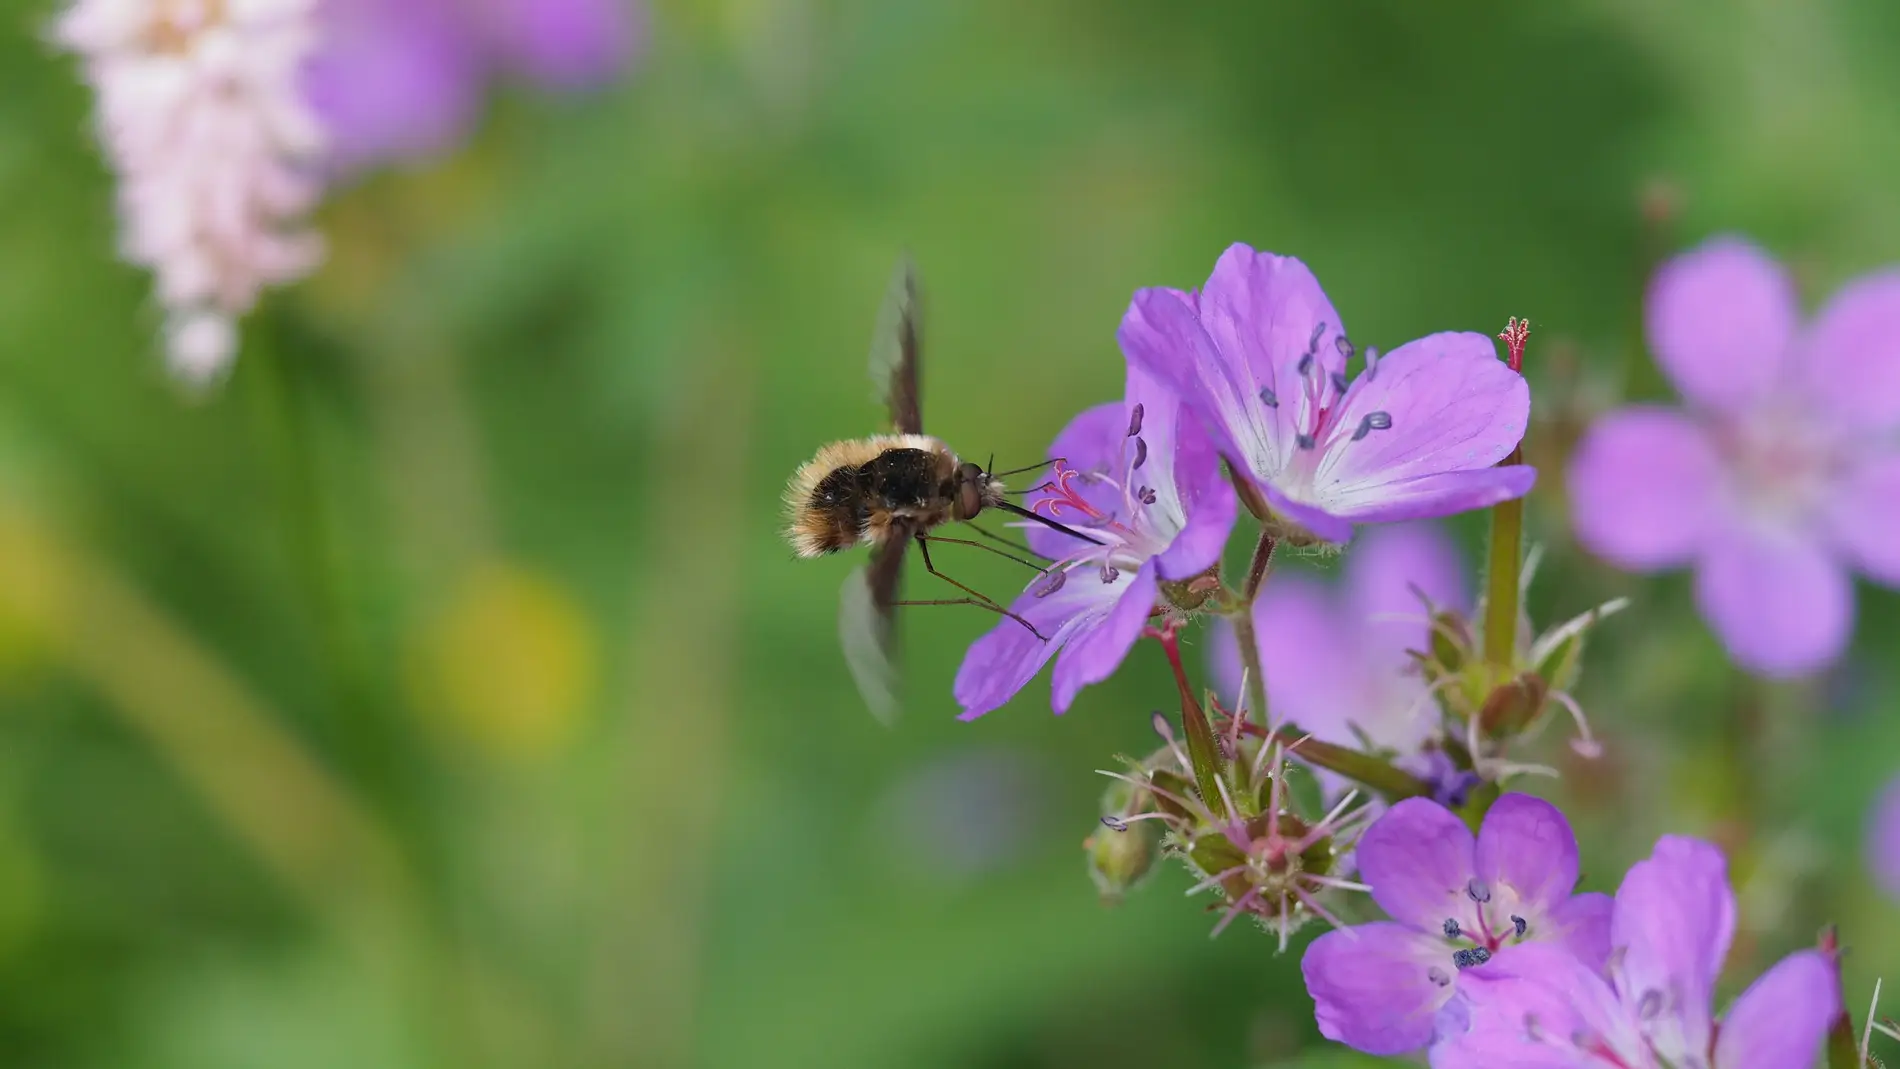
(969, 501)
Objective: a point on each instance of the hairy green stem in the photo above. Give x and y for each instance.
(1257, 571)
(1505, 568)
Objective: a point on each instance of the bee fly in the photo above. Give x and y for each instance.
(887, 492)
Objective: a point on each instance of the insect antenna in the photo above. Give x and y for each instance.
(1011, 506)
(1029, 467)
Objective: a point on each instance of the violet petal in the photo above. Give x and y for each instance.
(1673, 921)
(1419, 859)
(1454, 408)
(1782, 1019)
(1582, 926)
(1092, 652)
(1264, 314)
(1007, 657)
(1527, 855)
(1644, 489)
(1721, 319)
(1864, 515)
(1486, 1027)
(1780, 603)
(1309, 656)
(1374, 987)
(1850, 356)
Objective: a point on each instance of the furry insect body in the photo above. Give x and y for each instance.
(882, 489)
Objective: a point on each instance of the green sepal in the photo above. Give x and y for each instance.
(1214, 853)
(1392, 783)
(1204, 753)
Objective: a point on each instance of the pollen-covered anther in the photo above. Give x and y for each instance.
(1268, 397)
(1374, 421)
(1145, 495)
(1514, 335)
(1520, 925)
(1453, 929)
(1470, 957)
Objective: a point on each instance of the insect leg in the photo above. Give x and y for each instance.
(980, 603)
(999, 539)
(986, 549)
(975, 598)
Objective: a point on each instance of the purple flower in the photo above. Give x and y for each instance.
(399, 79)
(1883, 840)
(1455, 901)
(394, 79)
(1147, 483)
(1335, 660)
(1540, 1007)
(1261, 356)
(1783, 474)
(565, 44)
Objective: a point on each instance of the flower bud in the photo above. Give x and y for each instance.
(1221, 793)
(1122, 851)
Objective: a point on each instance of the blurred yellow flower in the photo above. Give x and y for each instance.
(34, 590)
(508, 664)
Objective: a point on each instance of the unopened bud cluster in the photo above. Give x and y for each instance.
(1225, 807)
(1489, 702)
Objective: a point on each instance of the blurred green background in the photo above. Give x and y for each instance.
(440, 692)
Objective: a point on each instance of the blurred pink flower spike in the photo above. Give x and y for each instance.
(1781, 477)
(200, 115)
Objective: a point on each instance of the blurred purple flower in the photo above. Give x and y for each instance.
(1783, 474)
(1883, 840)
(1145, 481)
(399, 79)
(1261, 356)
(1335, 660)
(1455, 901)
(565, 44)
(1540, 1007)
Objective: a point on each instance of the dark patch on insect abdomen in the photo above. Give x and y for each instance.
(838, 504)
(903, 480)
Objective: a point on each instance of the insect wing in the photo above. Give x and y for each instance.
(894, 350)
(867, 625)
